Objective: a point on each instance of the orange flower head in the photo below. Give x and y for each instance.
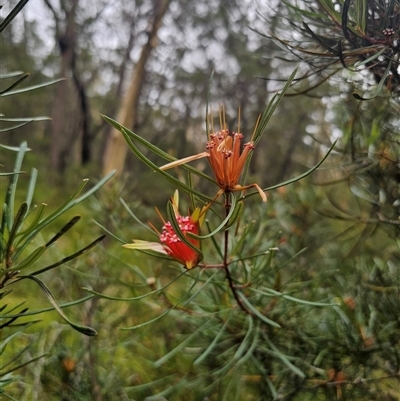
(175, 247)
(226, 157)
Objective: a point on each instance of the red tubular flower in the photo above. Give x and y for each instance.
(170, 242)
(175, 247)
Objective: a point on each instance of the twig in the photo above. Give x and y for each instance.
(226, 261)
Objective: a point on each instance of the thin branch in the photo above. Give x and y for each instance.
(226, 258)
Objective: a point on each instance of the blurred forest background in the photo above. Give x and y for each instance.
(148, 65)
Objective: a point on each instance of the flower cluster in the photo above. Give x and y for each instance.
(225, 157)
(175, 247)
(173, 244)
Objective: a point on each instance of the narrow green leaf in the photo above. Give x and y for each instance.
(82, 329)
(25, 119)
(14, 149)
(31, 187)
(374, 56)
(15, 307)
(64, 230)
(147, 322)
(378, 88)
(11, 74)
(19, 218)
(44, 310)
(31, 88)
(346, 26)
(154, 149)
(298, 178)
(7, 395)
(256, 312)
(70, 257)
(222, 226)
(239, 244)
(13, 173)
(73, 201)
(244, 344)
(23, 122)
(169, 177)
(202, 287)
(15, 356)
(35, 221)
(122, 241)
(138, 326)
(265, 117)
(214, 342)
(341, 57)
(208, 102)
(330, 9)
(14, 12)
(265, 267)
(8, 212)
(250, 350)
(3, 293)
(7, 338)
(163, 314)
(236, 215)
(14, 84)
(128, 209)
(13, 319)
(318, 38)
(361, 15)
(161, 396)
(13, 127)
(145, 386)
(32, 258)
(14, 368)
(272, 293)
(272, 105)
(183, 344)
(308, 13)
(274, 351)
(138, 297)
(271, 387)
(216, 245)
(94, 188)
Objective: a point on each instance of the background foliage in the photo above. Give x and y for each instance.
(336, 231)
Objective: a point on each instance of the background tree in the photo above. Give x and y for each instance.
(70, 112)
(115, 152)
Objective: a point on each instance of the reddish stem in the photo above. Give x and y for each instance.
(226, 258)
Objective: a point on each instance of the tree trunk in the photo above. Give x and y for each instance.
(70, 136)
(116, 149)
(61, 130)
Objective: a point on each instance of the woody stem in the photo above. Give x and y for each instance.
(226, 257)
